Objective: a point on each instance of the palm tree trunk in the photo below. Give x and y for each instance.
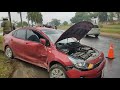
(32, 23)
(9, 15)
(21, 18)
(28, 20)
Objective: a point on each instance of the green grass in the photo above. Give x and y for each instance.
(5, 67)
(63, 27)
(106, 30)
(111, 26)
(112, 29)
(1, 40)
(1, 30)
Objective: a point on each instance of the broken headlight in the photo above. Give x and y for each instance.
(80, 64)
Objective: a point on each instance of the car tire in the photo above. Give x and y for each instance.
(57, 71)
(87, 35)
(8, 53)
(96, 36)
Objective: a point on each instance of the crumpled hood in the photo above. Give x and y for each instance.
(78, 31)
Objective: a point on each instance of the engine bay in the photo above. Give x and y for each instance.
(77, 50)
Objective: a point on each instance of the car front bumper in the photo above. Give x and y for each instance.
(94, 73)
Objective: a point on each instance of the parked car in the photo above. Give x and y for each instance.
(95, 31)
(61, 53)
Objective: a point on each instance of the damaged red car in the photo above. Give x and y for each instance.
(61, 53)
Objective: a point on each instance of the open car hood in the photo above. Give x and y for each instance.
(78, 31)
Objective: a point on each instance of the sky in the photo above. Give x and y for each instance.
(47, 16)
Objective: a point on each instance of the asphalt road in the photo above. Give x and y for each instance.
(111, 70)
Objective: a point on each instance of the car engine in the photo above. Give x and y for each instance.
(77, 50)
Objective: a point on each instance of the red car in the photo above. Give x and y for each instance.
(61, 53)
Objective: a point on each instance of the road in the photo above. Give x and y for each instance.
(111, 70)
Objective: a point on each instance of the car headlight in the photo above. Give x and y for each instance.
(81, 64)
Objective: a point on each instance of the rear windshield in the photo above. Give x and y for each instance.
(96, 26)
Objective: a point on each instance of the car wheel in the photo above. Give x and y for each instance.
(8, 52)
(57, 71)
(87, 35)
(96, 36)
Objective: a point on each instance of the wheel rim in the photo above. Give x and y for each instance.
(57, 73)
(8, 52)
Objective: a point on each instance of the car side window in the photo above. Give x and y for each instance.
(14, 33)
(32, 36)
(21, 34)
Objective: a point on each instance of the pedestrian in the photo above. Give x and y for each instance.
(6, 26)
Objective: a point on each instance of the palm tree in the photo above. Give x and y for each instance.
(21, 18)
(9, 15)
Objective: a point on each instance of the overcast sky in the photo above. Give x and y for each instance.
(47, 16)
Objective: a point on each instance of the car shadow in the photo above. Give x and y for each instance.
(91, 37)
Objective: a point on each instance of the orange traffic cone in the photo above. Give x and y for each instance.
(111, 52)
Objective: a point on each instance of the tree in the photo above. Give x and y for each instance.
(24, 23)
(80, 16)
(55, 22)
(9, 15)
(118, 15)
(21, 18)
(110, 16)
(65, 23)
(34, 17)
(103, 17)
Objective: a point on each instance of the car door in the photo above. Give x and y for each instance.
(35, 51)
(18, 42)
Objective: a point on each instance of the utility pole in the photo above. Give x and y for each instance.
(9, 15)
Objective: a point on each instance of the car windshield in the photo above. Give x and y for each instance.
(55, 34)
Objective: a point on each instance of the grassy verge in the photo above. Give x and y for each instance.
(1, 40)
(111, 29)
(1, 30)
(63, 27)
(6, 67)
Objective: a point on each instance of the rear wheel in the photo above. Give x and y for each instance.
(57, 71)
(8, 52)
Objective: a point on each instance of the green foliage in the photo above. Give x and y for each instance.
(81, 16)
(103, 16)
(55, 22)
(65, 23)
(35, 17)
(24, 24)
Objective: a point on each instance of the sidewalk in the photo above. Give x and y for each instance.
(110, 35)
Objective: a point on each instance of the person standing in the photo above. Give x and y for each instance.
(6, 26)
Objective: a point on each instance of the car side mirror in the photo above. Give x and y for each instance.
(43, 41)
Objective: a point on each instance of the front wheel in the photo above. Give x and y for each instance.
(57, 71)
(8, 52)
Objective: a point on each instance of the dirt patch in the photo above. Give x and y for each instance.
(26, 70)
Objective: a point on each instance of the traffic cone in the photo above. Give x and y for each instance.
(111, 52)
